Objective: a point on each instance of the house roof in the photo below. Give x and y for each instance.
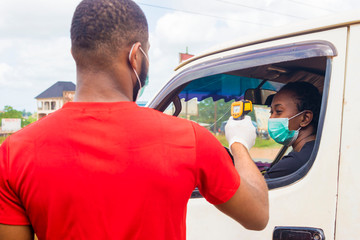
(57, 90)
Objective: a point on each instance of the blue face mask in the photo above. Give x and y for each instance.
(279, 130)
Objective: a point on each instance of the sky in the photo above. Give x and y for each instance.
(35, 36)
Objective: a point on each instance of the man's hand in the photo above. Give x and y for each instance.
(241, 131)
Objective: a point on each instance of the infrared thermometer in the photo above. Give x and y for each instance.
(240, 108)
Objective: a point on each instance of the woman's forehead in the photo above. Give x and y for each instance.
(285, 98)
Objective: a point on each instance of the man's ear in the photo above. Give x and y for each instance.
(134, 58)
(306, 118)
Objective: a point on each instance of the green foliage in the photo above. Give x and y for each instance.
(27, 121)
(213, 113)
(2, 139)
(10, 112)
(26, 114)
(221, 138)
(265, 143)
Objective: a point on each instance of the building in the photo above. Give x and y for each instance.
(54, 98)
(185, 56)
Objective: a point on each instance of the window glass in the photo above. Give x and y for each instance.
(208, 100)
(47, 106)
(53, 105)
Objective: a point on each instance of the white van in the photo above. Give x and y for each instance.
(321, 199)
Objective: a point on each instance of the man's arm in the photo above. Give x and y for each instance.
(249, 205)
(15, 232)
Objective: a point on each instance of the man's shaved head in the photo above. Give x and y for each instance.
(102, 28)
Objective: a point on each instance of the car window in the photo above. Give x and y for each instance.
(208, 100)
(204, 92)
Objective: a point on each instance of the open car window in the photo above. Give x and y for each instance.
(208, 100)
(204, 93)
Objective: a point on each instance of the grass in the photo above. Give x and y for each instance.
(2, 139)
(259, 142)
(266, 143)
(221, 138)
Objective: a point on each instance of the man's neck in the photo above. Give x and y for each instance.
(103, 87)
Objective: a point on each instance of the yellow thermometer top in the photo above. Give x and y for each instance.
(240, 108)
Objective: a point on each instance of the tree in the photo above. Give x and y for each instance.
(213, 113)
(10, 112)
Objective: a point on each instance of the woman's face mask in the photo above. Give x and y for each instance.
(279, 130)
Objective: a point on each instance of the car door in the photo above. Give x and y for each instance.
(203, 90)
(348, 217)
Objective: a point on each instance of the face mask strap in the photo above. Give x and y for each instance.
(138, 79)
(147, 59)
(132, 48)
(137, 76)
(296, 115)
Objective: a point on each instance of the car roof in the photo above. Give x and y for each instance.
(304, 27)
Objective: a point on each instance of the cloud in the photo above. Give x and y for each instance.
(189, 29)
(171, 37)
(4, 45)
(5, 70)
(35, 19)
(34, 65)
(175, 32)
(35, 44)
(45, 60)
(34, 49)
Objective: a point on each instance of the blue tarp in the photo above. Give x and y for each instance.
(223, 86)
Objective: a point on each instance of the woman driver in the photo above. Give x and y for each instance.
(293, 122)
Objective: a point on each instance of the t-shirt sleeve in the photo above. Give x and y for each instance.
(217, 178)
(11, 210)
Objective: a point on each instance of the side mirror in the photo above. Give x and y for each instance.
(259, 96)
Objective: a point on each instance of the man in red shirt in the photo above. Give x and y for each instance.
(103, 168)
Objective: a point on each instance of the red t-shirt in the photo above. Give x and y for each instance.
(110, 171)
